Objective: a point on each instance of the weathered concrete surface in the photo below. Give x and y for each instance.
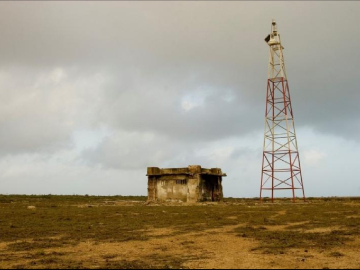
(191, 184)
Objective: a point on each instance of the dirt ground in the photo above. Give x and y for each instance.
(267, 236)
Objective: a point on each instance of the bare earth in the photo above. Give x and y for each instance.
(222, 246)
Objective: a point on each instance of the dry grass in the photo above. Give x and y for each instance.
(125, 233)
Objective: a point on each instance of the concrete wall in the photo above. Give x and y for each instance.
(152, 188)
(169, 190)
(194, 190)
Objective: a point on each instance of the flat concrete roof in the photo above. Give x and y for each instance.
(190, 170)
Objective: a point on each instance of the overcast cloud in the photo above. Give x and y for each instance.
(92, 93)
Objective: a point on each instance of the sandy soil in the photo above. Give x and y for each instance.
(217, 248)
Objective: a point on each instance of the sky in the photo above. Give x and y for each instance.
(93, 93)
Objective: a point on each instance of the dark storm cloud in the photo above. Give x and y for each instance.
(157, 53)
(174, 82)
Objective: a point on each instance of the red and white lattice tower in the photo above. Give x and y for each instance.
(281, 170)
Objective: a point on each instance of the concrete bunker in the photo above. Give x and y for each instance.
(191, 184)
